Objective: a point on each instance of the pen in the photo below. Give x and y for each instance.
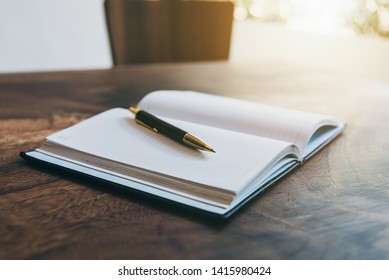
(159, 126)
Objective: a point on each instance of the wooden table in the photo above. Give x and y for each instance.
(336, 206)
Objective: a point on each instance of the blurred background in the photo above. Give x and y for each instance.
(335, 17)
(348, 36)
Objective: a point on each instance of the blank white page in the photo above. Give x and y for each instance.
(248, 117)
(116, 136)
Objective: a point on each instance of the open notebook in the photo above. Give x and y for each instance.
(255, 145)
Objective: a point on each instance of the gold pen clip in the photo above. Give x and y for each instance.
(145, 125)
(135, 110)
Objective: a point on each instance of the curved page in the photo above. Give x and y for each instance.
(238, 115)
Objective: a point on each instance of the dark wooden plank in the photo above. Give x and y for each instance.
(138, 31)
(334, 207)
(169, 30)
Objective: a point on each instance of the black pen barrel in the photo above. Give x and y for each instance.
(161, 126)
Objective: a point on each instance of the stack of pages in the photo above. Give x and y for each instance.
(255, 145)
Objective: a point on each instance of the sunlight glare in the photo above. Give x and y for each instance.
(321, 16)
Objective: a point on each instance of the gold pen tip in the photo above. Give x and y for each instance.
(195, 142)
(209, 149)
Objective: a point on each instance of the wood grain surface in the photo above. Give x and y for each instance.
(336, 206)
